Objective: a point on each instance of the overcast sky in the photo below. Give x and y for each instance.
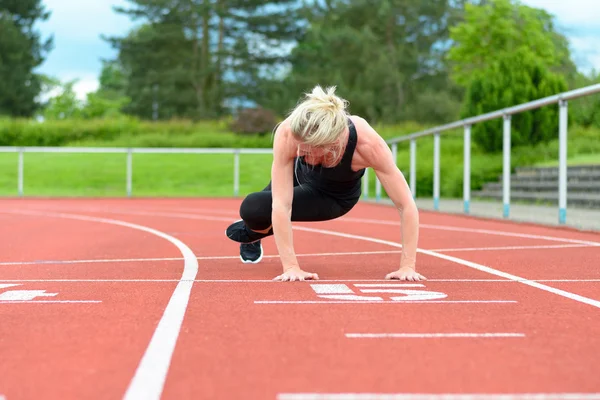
(78, 24)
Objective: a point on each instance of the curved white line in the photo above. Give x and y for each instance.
(374, 221)
(456, 260)
(151, 373)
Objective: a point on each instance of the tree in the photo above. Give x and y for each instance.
(110, 99)
(64, 105)
(504, 54)
(21, 51)
(383, 56)
(193, 55)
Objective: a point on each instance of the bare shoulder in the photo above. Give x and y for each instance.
(284, 143)
(371, 147)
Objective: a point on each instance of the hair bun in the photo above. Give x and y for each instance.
(327, 98)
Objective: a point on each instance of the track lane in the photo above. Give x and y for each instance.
(74, 346)
(247, 336)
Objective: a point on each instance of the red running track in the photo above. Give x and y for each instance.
(147, 299)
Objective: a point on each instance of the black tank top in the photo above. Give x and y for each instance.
(339, 181)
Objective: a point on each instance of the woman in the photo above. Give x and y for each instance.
(319, 157)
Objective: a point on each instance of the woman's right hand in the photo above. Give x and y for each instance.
(296, 274)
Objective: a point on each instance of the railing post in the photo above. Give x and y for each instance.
(129, 171)
(236, 173)
(467, 169)
(395, 153)
(562, 161)
(20, 177)
(436, 171)
(413, 167)
(506, 166)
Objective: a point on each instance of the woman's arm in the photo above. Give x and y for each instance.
(282, 186)
(379, 157)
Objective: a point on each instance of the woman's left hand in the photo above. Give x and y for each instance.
(406, 274)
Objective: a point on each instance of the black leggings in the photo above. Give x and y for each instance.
(308, 204)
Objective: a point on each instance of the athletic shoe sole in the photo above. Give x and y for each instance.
(255, 261)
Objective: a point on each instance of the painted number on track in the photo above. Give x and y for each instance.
(21, 295)
(391, 291)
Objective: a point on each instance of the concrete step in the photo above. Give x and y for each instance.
(553, 171)
(547, 186)
(589, 177)
(589, 200)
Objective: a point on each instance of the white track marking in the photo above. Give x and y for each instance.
(431, 335)
(389, 285)
(443, 396)
(473, 230)
(332, 254)
(149, 378)
(466, 263)
(108, 260)
(4, 286)
(331, 288)
(49, 301)
(343, 219)
(278, 283)
(460, 261)
(24, 295)
(555, 246)
(128, 260)
(380, 301)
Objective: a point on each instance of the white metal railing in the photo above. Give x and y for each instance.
(129, 154)
(466, 124)
(506, 113)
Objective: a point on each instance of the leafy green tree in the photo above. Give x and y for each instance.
(64, 105)
(110, 99)
(21, 51)
(504, 54)
(190, 56)
(385, 57)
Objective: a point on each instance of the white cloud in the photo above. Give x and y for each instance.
(77, 26)
(570, 12)
(578, 21)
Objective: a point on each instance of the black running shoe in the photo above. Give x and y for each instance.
(239, 232)
(251, 253)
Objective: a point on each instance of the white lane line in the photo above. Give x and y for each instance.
(431, 335)
(460, 261)
(109, 260)
(380, 301)
(49, 301)
(473, 230)
(438, 396)
(150, 375)
(466, 263)
(178, 214)
(540, 247)
(332, 254)
(278, 283)
(127, 260)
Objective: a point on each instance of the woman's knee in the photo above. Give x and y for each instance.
(255, 210)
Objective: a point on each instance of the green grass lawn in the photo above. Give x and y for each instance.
(102, 175)
(581, 159)
(173, 175)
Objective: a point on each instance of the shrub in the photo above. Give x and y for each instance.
(254, 121)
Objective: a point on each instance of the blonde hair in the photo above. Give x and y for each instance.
(320, 120)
